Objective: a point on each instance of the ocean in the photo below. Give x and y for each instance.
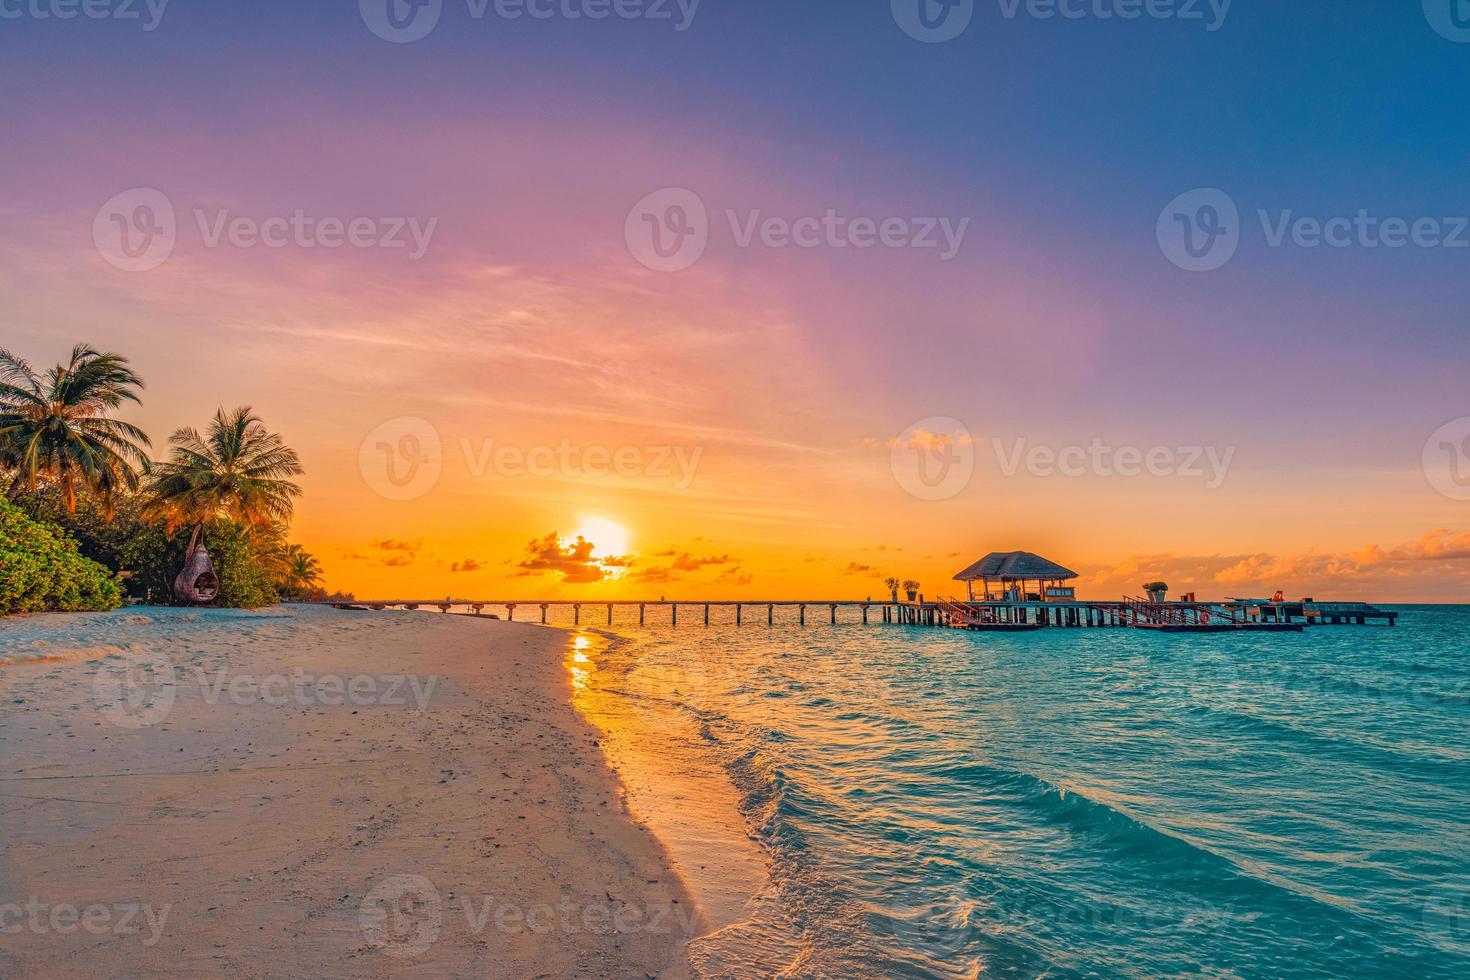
(1082, 802)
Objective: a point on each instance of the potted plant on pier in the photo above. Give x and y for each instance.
(892, 584)
(1157, 591)
(911, 587)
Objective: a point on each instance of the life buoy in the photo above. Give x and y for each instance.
(1279, 596)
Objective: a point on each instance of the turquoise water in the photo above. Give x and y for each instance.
(1095, 802)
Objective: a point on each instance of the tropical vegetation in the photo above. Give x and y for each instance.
(42, 570)
(90, 515)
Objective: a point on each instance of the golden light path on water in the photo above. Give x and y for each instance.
(579, 664)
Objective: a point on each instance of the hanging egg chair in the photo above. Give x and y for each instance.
(197, 583)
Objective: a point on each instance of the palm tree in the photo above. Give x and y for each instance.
(58, 427)
(298, 571)
(238, 469)
(306, 571)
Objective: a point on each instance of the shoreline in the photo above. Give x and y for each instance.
(679, 785)
(293, 792)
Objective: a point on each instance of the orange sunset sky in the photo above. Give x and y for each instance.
(763, 401)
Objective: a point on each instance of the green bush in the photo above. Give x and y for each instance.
(41, 570)
(244, 581)
(155, 560)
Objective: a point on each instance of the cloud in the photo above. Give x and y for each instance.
(1440, 544)
(920, 439)
(854, 568)
(655, 574)
(734, 576)
(689, 563)
(574, 562)
(468, 565)
(1437, 564)
(395, 553)
(391, 544)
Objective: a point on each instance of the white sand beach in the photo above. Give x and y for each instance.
(313, 792)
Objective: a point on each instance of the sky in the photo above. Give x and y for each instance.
(776, 300)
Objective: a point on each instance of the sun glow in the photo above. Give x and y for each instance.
(610, 538)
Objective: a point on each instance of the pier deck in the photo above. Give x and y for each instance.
(982, 616)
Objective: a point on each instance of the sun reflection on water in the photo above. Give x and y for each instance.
(579, 663)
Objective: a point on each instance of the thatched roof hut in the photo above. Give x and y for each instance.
(1013, 569)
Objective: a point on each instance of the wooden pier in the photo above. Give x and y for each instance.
(1006, 603)
(862, 609)
(1000, 616)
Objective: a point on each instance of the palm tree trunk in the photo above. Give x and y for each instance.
(17, 487)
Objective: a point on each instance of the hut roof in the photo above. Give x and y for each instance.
(1015, 565)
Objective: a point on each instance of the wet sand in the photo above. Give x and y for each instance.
(307, 792)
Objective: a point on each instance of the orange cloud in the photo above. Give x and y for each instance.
(1438, 563)
(573, 562)
(689, 563)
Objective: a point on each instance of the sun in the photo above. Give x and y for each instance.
(610, 538)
